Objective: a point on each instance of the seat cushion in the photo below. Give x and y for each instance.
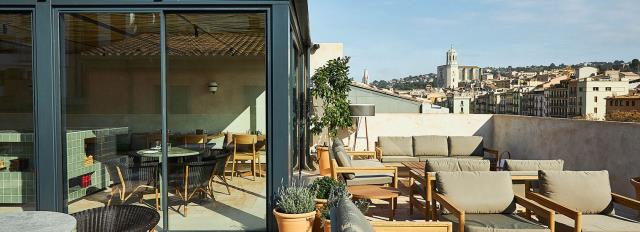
(477, 192)
(430, 145)
(343, 159)
(455, 165)
(338, 142)
(394, 158)
(369, 178)
(495, 223)
(534, 165)
(348, 218)
(597, 223)
(395, 145)
(586, 191)
(465, 146)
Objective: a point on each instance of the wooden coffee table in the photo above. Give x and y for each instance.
(370, 192)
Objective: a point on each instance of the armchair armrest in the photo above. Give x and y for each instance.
(431, 226)
(449, 206)
(378, 151)
(557, 207)
(538, 210)
(337, 170)
(625, 201)
(367, 154)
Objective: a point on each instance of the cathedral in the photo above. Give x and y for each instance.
(451, 74)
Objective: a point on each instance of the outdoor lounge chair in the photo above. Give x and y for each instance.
(484, 201)
(361, 172)
(131, 179)
(421, 184)
(584, 201)
(530, 168)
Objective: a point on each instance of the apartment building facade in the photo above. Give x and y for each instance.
(592, 93)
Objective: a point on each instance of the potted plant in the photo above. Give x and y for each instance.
(322, 187)
(330, 86)
(295, 208)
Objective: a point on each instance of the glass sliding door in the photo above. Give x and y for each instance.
(17, 177)
(110, 69)
(216, 102)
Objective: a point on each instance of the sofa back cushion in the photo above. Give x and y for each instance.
(344, 160)
(478, 192)
(430, 145)
(534, 165)
(456, 165)
(338, 142)
(396, 145)
(346, 217)
(466, 146)
(586, 191)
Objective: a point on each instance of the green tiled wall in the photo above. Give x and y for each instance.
(16, 187)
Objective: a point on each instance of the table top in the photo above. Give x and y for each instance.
(37, 221)
(373, 192)
(173, 152)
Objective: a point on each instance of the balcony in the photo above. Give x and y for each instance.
(583, 145)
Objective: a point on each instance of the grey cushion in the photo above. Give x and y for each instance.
(394, 158)
(477, 192)
(495, 223)
(586, 191)
(343, 159)
(465, 146)
(338, 142)
(597, 223)
(534, 165)
(430, 145)
(395, 145)
(455, 165)
(346, 217)
(369, 178)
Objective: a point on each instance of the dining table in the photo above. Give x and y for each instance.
(37, 221)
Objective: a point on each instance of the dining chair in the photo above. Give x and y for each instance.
(191, 178)
(220, 163)
(130, 179)
(244, 149)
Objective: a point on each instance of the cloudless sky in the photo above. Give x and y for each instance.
(397, 38)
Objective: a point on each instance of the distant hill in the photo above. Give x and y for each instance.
(406, 83)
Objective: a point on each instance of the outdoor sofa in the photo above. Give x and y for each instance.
(584, 201)
(396, 149)
(484, 201)
(530, 168)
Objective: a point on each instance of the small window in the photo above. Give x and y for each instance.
(607, 88)
(595, 110)
(627, 103)
(633, 103)
(581, 89)
(596, 88)
(595, 99)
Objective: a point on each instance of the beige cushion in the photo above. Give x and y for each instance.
(344, 160)
(369, 178)
(395, 146)
(586, 191)
(597, 223)
(394, 158)
(465, 146)
(430, 145)
(477, 192)
(534, 165)
(455, 165)
(495, 223)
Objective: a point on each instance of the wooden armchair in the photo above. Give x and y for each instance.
(566, 191)
(365, 173)
(459, 193)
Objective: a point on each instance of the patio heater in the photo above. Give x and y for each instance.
(362, 111)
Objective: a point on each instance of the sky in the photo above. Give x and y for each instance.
(398, 38)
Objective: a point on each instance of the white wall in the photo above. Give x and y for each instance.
(326, 52)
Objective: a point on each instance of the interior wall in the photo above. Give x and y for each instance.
(103, 93)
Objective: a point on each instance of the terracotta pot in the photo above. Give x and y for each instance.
(327, 226)
(324, 161)
(295, 222)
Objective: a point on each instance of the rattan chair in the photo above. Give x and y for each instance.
(189, 179)
(117, 218)
(220, 163)
(130, 179)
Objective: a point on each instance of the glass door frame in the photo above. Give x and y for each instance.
(162, 11)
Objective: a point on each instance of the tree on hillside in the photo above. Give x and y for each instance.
(635, 65)
(552, 66)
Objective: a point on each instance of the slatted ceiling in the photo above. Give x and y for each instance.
(15, 30)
